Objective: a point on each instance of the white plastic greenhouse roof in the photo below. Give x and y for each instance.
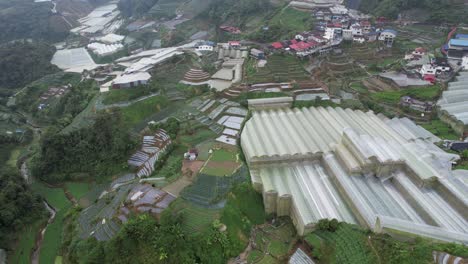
(454, 101)
(356, 167)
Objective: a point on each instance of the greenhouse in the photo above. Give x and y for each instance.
(452, 106)
(357, 167)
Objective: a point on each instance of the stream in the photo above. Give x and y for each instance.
(40, 238)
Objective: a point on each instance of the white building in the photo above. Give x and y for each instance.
(128, 80)
(465, 63)
(112, 38)
(433, 70)
(388, 36)
(104, 49)
(347, 34)
(329, 34)
(205, 47)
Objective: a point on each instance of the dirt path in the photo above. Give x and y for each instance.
(176, 187)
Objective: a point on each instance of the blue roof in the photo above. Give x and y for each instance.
(390, 31)
(459, 42)
(461, 36)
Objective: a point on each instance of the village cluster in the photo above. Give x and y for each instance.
(385, 174)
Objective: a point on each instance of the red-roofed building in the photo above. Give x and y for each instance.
(234, 44)
(293, 41)
(301, 46)
(277, 45)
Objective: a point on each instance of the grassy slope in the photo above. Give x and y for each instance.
(138, 111)
(393, 97)
(53, 236)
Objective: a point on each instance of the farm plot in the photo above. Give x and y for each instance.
(221, 163)
(280, 68)
(273, 242)
(195, 219)
(348, 244)
(207, 190)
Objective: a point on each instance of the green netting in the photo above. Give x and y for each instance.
(208, 190)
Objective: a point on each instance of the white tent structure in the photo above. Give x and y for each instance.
(453, 105)
(357, 167)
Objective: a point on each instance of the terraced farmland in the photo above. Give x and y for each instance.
(280, 68)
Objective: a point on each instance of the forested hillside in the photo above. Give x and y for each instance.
(23, 62)
(99, 150)
(136, 7)
(438, 11)
(19, 206)
(20, 19)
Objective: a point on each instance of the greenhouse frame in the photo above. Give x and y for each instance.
(357, 167)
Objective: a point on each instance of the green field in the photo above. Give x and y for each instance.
(53, 238)
(348, 244)
(223, 155)
(124, 95)
(293, 20)
(26, 243)
(53, 235)
(78, 189)
(273, 241)
(139, 111)
(441, 129)
(200, 135)
(195, 219)
(429, 93)
(217, 171)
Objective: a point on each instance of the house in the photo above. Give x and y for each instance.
(416, 105)
(365, 25)
(128, 80)
(317, 38)
(457, 48)
(258, 54)
(359, 39)
(356, 29)
(192, 154)
(388, 36)
(205, 46)
(232, 30)
(276, 45)
(234, 44)
(419, 51)
(329, 34)
(371, 36)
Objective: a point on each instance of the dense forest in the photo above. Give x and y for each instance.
(96, 151)
(143, 239)
(21, 19)
(440, 11)
(23, 62)
(19, 206)
(235, 12)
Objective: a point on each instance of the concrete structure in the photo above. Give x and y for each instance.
(457, 48)
(388, 36)
(128, 80)
(103, 50)
(112, 38)
(465, 63)
(453, 105)
(196, 77)
(357, 167)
